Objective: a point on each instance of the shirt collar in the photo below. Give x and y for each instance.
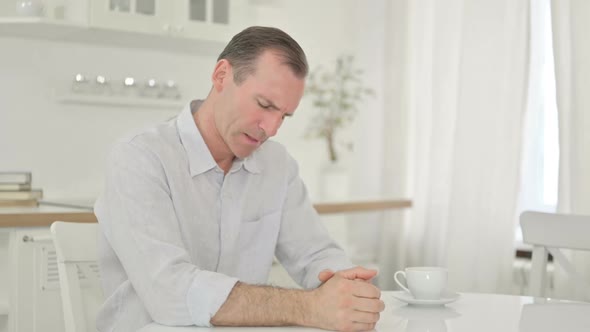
(251, 162)
(199, 156)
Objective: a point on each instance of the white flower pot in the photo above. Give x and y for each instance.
(334, 182)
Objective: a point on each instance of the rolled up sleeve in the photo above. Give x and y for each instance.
(206, 295)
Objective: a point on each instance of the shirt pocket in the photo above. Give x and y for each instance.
(260, 230)
(258, 236)
(262, 216)
(257, 242)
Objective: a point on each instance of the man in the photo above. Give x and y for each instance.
(195, 209)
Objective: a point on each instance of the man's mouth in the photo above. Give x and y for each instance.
(252, 139)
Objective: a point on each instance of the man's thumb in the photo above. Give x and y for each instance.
(325, 275)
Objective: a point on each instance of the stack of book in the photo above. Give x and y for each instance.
(16, 190)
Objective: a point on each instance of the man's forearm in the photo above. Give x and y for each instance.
(249, 305)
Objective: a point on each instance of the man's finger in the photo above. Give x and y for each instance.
(365, 317)
(368, 305)
(325, 275)
(364, 289)
(358, 273)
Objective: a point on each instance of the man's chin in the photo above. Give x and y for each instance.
(243, 153)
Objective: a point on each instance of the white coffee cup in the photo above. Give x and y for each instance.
(424, 283)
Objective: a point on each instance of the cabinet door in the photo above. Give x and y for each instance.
(213, 20)
(6, 280)
(36, 296)
(147, 16)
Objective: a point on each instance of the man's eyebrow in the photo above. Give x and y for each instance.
(271, 105)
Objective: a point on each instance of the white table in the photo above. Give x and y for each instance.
(472, 312)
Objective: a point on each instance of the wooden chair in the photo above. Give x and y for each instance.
(548, 233)
(76, 251)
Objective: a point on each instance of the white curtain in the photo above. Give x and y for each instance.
(468, 65)
(571, 47)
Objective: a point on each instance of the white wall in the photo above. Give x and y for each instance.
(65, 145)
(325, 30)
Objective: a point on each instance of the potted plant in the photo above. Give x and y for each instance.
(336, 95)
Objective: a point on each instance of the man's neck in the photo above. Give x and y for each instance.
(205, 122)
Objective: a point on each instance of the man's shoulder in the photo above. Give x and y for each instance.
(158, 140)
(153, 138)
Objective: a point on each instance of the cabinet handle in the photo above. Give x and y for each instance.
(37, 238)
(166, 27)
(179, 28)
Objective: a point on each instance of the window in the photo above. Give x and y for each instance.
(539, 185)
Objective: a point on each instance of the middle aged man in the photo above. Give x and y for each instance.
(195, 209)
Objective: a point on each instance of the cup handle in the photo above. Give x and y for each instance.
(399, 282)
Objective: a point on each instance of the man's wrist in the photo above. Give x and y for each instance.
(304, 308)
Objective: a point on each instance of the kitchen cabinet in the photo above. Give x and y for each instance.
(178, 26)
(146, 16)
(214, 20)
(5, 280)
(210, 19)
(29, 283)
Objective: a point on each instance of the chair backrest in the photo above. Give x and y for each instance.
(75, 245)
(547, 233)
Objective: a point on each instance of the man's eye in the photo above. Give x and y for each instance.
(264, 106)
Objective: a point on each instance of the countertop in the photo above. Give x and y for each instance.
(48, 212)
(43, 215)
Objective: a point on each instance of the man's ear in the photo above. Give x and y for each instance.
(221, 74)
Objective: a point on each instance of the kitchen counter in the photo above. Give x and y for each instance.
(44, 215)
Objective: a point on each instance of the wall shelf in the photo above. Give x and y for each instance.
(45, 29)
(115, 101)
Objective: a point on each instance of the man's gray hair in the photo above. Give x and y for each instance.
(243, 51)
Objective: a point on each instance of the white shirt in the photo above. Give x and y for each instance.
(178, 233)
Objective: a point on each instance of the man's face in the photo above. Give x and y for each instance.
(248, 114)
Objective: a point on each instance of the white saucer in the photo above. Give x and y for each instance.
(446, 297)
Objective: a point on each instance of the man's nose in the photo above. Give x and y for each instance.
(271, 123)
